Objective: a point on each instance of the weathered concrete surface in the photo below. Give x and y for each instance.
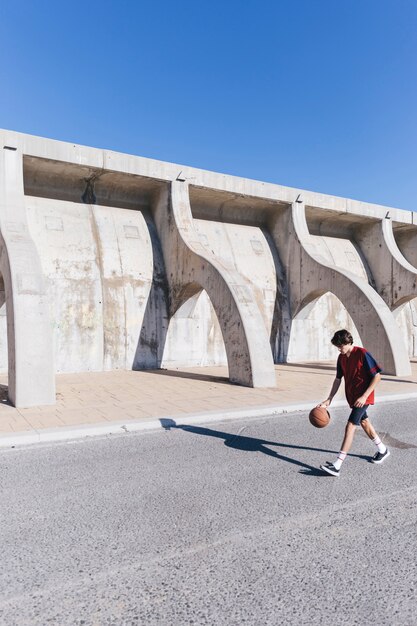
(98, 265)
(112, 297)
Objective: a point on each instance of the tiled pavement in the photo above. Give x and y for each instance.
(88, 400)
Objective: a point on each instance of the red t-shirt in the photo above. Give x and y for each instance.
(358, 369)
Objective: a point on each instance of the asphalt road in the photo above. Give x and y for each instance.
(225, 525)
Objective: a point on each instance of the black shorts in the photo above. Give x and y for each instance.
(358, 414)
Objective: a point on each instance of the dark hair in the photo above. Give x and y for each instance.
(342, 338)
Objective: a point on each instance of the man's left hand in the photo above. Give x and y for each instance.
(360, 401)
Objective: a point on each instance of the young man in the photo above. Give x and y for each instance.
(362, 374)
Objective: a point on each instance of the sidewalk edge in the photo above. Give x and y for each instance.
(49, 435)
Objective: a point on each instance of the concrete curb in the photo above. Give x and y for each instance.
(49, 435)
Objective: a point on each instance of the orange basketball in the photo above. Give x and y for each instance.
(319, 417)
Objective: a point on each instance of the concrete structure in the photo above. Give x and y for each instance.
(110, 261)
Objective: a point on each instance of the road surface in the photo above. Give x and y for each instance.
(227, 524)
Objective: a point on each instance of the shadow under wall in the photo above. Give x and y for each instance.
(211, 378)
(152, 338)
(4, 395)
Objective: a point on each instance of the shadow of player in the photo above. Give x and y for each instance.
(252, 444)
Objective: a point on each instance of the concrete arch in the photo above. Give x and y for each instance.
(309, 272)
(406, 318)
(395, 278)
(406, 239)
(309, 302)
(313, 325)
(196, 319)
(29, 333)
(400, 304)
(191, 265)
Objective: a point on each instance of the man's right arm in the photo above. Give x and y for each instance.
(333, 392)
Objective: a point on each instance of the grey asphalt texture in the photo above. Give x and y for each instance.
(227, 524)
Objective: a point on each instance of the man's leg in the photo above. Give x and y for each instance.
(355, 418)
(348, 438)
(383, 451)
(334, 468)
(369, 429)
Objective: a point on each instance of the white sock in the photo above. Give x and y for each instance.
(340, 458)
(381, 446)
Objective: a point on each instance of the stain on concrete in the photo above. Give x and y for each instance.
(391, 441)
(395, 443)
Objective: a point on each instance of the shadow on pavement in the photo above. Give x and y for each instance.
(192, 376)
(4, 395)
(252, 444)
(330, 367)
(393, 379)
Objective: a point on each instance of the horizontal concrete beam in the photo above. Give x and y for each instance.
(160, 170)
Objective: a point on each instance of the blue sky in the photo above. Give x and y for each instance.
(317, 94)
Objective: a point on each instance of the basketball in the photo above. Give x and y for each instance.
(319, 417)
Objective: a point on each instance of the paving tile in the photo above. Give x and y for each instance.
(14, 426)
(74, 417)
(7, 427)
(6, 409)
(134, 415)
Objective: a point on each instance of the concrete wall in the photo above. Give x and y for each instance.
(246, 249)
(98, 266)
(144, 264)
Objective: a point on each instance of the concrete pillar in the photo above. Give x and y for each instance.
(29, 332)
(192, 267)
(310, 276)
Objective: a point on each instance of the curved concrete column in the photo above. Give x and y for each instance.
(29, 332)
(406, 238)
(395, 278)
(310, 276)
(191, 267)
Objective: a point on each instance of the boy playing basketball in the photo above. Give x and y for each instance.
(362, 374)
